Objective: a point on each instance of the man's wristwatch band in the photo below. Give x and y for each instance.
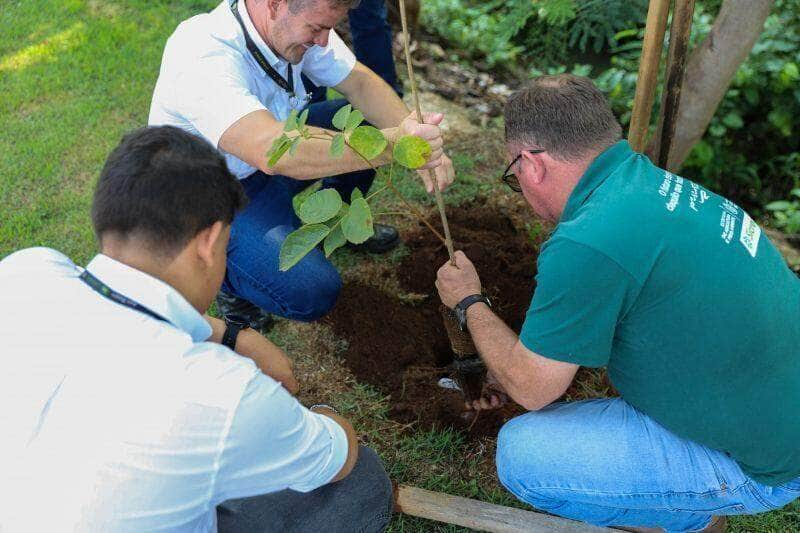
(322, 406)
(232, 328)
(461, 308)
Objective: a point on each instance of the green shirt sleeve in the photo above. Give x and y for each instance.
(581, 296)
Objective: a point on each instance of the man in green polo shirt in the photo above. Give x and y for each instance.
(678, 293)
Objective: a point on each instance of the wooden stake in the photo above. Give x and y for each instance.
(448, 241)
(653, 44)
(483, 516)
(679, 34)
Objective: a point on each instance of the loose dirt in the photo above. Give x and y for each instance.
(397, 342)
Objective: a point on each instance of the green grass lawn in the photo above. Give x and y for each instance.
(75, 75)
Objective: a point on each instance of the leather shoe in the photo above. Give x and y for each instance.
(230, 305)
(385, 238)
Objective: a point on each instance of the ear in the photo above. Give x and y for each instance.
(532, 168)
(273, 6)
(206, 243)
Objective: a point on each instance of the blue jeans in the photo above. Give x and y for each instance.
(309, 289)
(372, 40)
(372, 45)
(606, 463)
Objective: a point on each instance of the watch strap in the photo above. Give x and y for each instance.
(232, 330)
(463, 305)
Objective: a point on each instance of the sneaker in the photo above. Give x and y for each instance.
(229, 305)
(386, 238)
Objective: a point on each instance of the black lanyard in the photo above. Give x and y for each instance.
(286, 85)
(107, 292)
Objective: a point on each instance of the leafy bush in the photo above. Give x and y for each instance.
(787, 213)
(751, 151)
(502, 32)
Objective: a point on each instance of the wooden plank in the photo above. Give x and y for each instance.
(481, 515)
(653, 44)
(679, 34)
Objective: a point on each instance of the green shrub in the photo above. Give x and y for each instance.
(504, 32)
(751, 151)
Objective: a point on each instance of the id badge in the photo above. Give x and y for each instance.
(299, 102)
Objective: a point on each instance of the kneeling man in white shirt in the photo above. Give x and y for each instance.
(124, 408)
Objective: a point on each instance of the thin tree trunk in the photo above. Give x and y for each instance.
(711, 68)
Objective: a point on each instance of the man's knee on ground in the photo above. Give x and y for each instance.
(316, 297)
(309, 290)
(371, 487)
(524, 454)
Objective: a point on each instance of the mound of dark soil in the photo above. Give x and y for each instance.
(401, 347)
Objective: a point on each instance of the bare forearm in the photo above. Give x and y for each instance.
(270, 359)
(306, 163)
(530, 379)
(495, 342)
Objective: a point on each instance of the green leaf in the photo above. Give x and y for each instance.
(703, 152)
(341, 116)
(796, 192)
(411, 151)
(334, 240)
(780, 205)
(337, 146)
(303, 195)
(368, 141)
(354, 120)
(717, 130)
(342, 213)
(782, 120)
(294, 145)
(291, 121)
(357, 224)
(356, 194)
(299, 242)
(733, 120)
(279, 147)
(301, 122)
(320, 206)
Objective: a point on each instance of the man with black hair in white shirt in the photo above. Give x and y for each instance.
(131, 410)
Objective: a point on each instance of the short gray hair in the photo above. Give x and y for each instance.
(564, 114)
(296, 6)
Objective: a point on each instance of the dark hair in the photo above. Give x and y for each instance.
(564, 114)
(164, 185)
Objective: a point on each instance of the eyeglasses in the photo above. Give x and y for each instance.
(509, 178)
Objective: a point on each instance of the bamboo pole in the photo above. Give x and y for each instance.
(448, 241)
(679, 34)
(657, 15)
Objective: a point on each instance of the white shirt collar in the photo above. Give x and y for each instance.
(152, 293)
(270, 56)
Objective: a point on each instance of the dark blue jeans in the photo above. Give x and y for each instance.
(372, 40)
(309, 289)
(361, 503)
(372, 45)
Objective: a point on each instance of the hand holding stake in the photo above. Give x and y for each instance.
(448, 241)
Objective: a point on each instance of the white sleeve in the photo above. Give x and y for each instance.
(329, 66)
(214, 93)
(275, 443)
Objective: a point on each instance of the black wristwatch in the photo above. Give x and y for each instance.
(461, 307)
(233, 325)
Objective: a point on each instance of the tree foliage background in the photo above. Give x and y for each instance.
(751, 150)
